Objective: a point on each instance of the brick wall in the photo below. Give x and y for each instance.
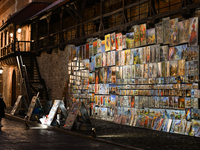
(53, 69)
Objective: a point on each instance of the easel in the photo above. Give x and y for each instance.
(20, 98)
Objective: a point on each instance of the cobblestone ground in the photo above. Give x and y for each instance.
(143, 138)
(14, 137)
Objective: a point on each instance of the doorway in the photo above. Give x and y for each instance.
(13, 94)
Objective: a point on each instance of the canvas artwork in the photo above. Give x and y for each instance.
(98, 60)
(171, 53)
(91, 50)
(129, 71)
(187, 102)
(173, 68)
(137, 71)
(104, 59)
(193, 31)
(159, 33)
(159, 69)
(122, 58)
(140, 55)
(87, 51)
(148, 54)
(102, 46)
(118, 42)
(108, 58)
(112, 41)
(150, 35)
(131, 57)
(141, 71)
(133, 71)
(183, 31)
(93, 63)
(154, 70)
(130, 40)
(173, 31)
(113, 77)
(181, 103)
(152, 53)
(127, 57)
(98, 46)
(112, 58)
(109, 75)
(192, 53)
(146, 67)
(180, 52)
(105, 75)
(101, 75)
(181, 67)
(143, 34)
(136, 56)
(107, 42)
(166, 30)
(137, 35)
(117, 58)
(167, 69)
(94, 47)
(145, 54)
(150, 70)
(124, 42)
(163, 53)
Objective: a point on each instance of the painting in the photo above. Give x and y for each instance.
(159, 33)
(143, 34)
(107, 42)
(130, 40)
(193, 31)
(166, 30)
(118, 42)
(137, 35)
(183, 30)
(150, 35)
(173, 31)
(112, 39)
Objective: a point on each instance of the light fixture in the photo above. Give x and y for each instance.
(19, 30)
(1, 70)
(11, 35)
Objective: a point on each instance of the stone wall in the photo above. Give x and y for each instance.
(53, 69)
(7, 84)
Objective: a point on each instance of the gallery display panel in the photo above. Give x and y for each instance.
(148, 78)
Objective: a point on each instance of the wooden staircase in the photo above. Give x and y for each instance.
(35, 81)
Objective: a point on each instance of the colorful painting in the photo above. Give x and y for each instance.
(93, 62)
(183, 31)
(108, 59)
(112, 58)
(136, 56)
(137, 35)
(181, 67)
(192, 53)
(124, 42)
(179, 52)
(159, 33)
(193, 31)
(145, 54)
(130, 40)
(127, 57)
(102, 46)
(166, 30)
(140, 55)
(104, 59)
(107, 42)
(98, 60)
(163, 53)
(173, 68)
(173, 31)
(148, 54)
(143, 34)
(94, 47)
(99, 46)
(112, 39)
(91, 50)
(117, 58)
(118, 42)
(171, 53)
(150, 35)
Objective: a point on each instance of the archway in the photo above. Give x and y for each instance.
(13, 94)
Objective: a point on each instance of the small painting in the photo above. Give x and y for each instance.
(166, 30)
(193, 31)
(150, 35)
(143, 34)
(137, 35)
(159, 33)
(107, 42)
(118, 42)
(130, 40)
(183, 30)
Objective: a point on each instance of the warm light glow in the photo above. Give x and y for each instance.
(19, 30)
(11, 35)
(1, 70)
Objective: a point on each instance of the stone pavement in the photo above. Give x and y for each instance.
(143, 138)
(14, 137)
